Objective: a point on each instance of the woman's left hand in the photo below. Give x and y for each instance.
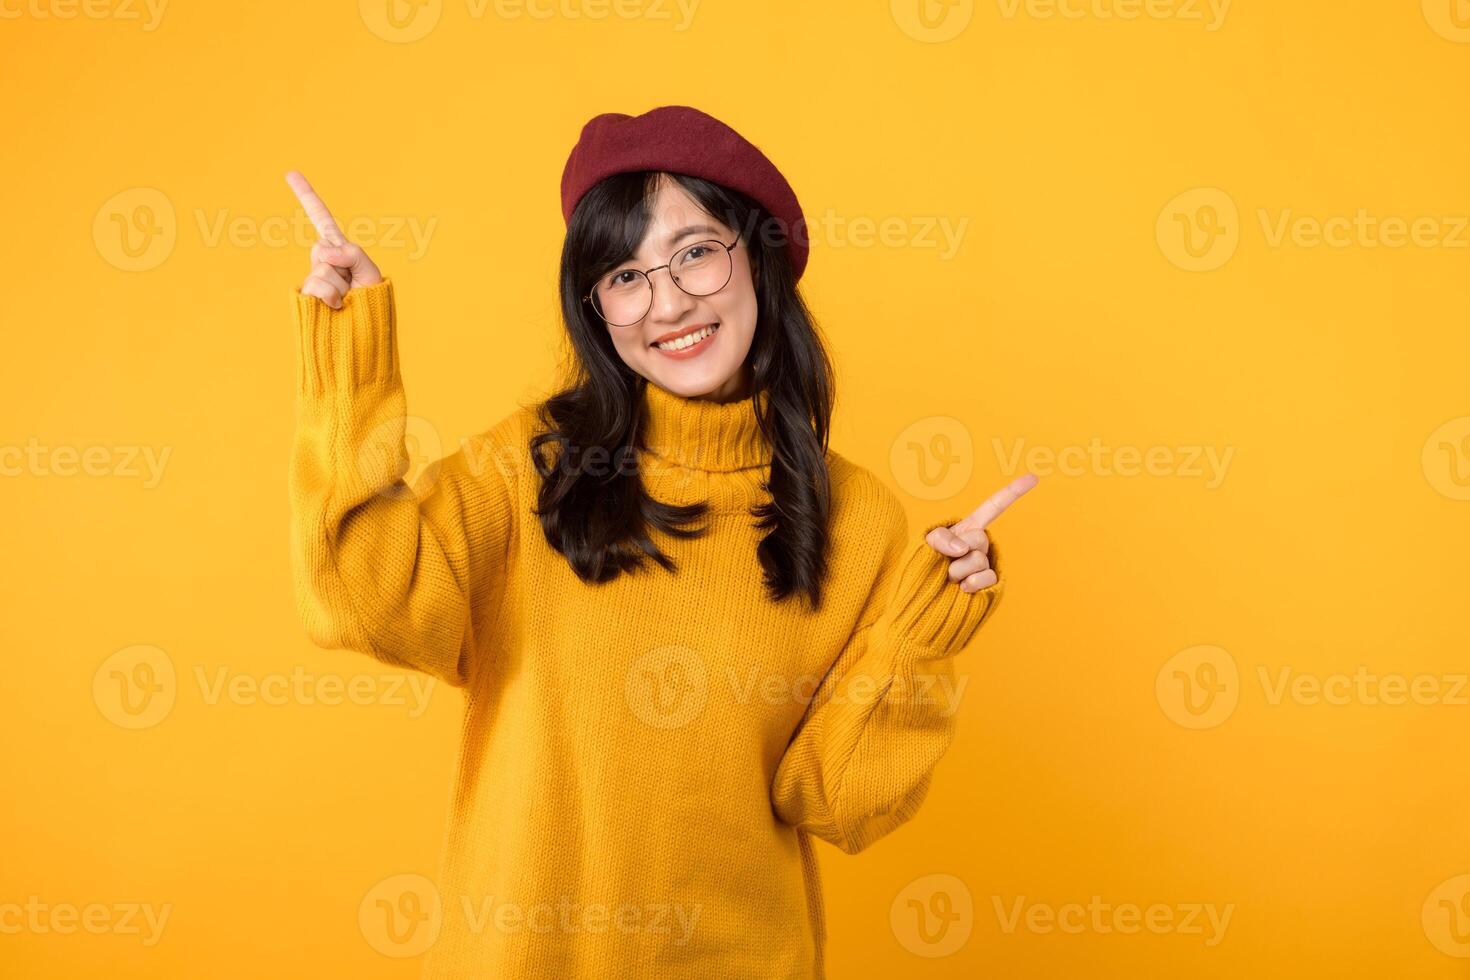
(966, 541)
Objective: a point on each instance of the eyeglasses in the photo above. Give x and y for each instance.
(624, 297)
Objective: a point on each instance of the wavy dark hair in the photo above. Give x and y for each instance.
(600, 521)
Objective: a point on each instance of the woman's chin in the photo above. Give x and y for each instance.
(690, 381)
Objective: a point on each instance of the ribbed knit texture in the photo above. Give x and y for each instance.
(643, 763)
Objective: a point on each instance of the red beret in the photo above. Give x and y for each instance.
(682, 139)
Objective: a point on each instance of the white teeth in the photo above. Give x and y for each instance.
(680, 343)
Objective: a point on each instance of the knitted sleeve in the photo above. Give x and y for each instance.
(402, 574)
(860, 763)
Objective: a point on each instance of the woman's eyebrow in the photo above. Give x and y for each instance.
(690, 230)
(668, 245)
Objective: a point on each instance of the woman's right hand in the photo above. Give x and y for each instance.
(337, 265)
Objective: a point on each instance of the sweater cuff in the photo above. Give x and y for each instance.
(930, 616)
(351, 347)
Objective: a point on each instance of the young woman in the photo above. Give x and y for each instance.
(690, 637)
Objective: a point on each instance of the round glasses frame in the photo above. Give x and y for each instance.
(647, 273)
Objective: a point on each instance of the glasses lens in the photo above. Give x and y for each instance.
(701, 268)
(622, 296)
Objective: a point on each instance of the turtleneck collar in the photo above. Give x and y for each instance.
(701, 434)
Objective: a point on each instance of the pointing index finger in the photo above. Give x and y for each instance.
(321, 218)
(996, 504)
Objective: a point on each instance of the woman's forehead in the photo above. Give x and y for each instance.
(675, 217)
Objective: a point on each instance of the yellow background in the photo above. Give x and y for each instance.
(1072, 310)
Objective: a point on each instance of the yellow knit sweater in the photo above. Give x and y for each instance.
(643, 763)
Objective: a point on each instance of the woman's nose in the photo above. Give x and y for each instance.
(669, 301)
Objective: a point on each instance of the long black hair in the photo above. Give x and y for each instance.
(600, 521)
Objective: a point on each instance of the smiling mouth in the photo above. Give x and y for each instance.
(688, 340)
